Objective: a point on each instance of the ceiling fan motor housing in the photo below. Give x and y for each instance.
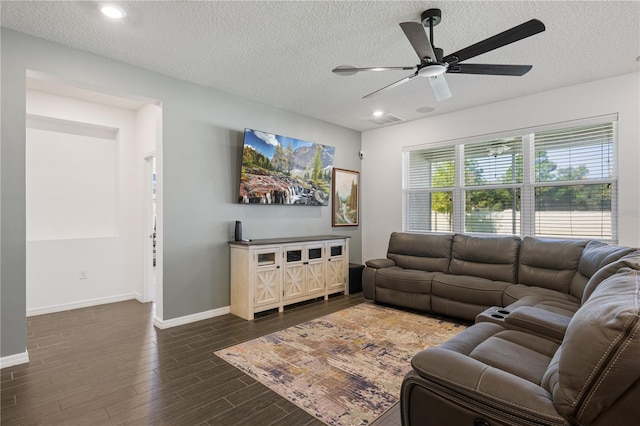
(431, 17)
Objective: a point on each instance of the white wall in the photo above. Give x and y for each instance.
(84, 208)
(382, 165)
(201, 138)
(71, 182)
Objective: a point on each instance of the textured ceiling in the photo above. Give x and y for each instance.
(282, 53)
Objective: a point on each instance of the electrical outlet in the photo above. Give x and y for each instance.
(83, 274)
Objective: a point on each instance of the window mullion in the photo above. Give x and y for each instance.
(527, 199)
(458, 191)
(614, 185)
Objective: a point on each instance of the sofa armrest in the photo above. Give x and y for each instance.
(380, 263)
(449, 372)
(539, 321)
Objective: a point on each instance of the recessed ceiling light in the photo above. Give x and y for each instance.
(425, 109)
(112, 11)
(377, 113)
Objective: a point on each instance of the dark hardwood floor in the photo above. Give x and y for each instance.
(108, 365)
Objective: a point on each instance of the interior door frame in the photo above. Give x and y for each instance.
(149, 288)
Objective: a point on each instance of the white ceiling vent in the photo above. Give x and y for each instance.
(384, 119)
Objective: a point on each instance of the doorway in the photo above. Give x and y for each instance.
(151, 229)
(87, 249)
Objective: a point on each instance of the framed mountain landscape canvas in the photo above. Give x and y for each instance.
(345, 197)
(282, 170)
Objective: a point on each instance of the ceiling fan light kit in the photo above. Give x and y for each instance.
(432, 70)
(434, 64)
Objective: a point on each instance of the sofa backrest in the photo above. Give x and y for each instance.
(493, 258)
(628, 261)
(549, 263)
(594, 377)
(420, 251)
(595, 256)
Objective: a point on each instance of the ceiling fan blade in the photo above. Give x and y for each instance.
(392, 85)
(349, 70)
(506, 37)
(419, 40)
(488, 69)
(440, 87)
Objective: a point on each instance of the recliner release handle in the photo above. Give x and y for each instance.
(480, 422)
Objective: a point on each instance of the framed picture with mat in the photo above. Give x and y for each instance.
(345, 188)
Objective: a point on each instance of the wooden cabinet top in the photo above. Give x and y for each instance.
(270, 241)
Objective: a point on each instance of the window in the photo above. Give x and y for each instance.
(492, 185)
(429, 180)
(558, 181)
(574, 182)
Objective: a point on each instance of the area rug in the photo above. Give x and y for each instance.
(345, 368)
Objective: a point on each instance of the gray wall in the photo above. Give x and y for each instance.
(202, 143)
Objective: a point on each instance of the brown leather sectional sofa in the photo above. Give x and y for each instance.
(556, 339)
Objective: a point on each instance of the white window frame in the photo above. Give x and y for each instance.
(527, 186)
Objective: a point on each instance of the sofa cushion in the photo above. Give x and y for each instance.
(628, 261)
(521, 354)
(516, 292)
(558, 306)
(597, 366)
(517, 353)
(467, 289)
(549, 263)
(483, 390)
(493, 258)
(595, 255)
(420, 251)
(405, 280)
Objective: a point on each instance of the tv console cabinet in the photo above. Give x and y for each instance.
(273, 273)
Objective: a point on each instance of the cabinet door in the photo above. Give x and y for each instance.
(336, 266)
(293, 272)
(267, 284)
(315, 269)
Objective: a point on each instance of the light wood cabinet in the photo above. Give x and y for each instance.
(337, 264)
(272, 273)
(303, 270)
(267, 277)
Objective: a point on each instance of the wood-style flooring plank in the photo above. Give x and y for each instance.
(108, 365)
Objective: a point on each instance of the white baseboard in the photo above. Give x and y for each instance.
(174, 322)
(17, 359)
(80, 304)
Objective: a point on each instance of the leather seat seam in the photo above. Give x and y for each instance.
(606, 373)
(593, 371)
(507, 403)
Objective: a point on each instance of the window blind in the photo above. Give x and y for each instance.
(558, 180)
(580, 153)
(428, 180)
(575, 182)
(493, 162)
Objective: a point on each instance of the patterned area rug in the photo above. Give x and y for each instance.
(345, 368)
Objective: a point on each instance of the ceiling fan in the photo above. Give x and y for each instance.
(434, 64)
